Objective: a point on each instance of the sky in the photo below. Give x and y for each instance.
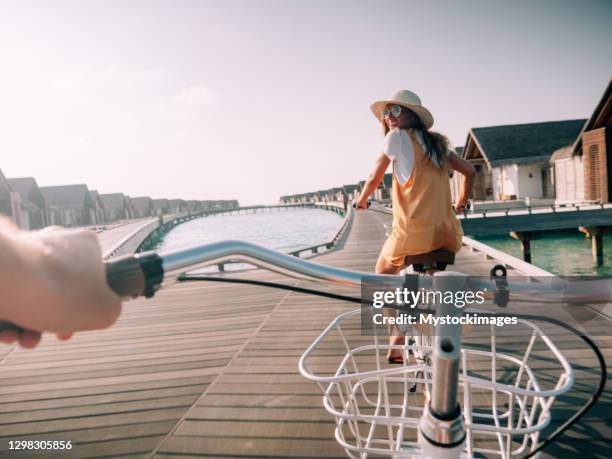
(255, 99)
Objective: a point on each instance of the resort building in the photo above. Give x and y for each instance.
(99, 209)
(69, 205)
(143, 206)
(32, 212)
(161, 206)
(383, 192)
(351, 191)
(177, 206)
(593, 148)
(6, 197)
(116, 206)
(512, 162)
(130, 212)
(321, 195)
(194, 206)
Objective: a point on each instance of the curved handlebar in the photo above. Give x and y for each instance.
(144, 273)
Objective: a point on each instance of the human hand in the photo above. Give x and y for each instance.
(359, 205)
(27, 339)
(461, 206)
(58, 285)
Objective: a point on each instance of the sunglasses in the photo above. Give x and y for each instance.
(394, 110)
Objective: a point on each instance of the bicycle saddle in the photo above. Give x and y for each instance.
(436, 259)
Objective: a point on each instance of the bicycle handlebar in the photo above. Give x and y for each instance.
(142, 274)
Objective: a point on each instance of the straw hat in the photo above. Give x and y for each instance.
(407, 99)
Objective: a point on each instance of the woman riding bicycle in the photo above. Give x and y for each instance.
(423, 217)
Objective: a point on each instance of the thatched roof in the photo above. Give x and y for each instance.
(525, 143)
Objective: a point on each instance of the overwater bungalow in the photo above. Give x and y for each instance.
(69, 205)
(161, 206)
(6, 199)
(143, 206)
(311, 197)
(98, 206)
(383, 192)
(591, 152)
(130, 211)
(193, 206)
(116, 206)
(177, 206)
(454, 183)
(351, 191)
(512, 161)
(32, 213)
(206, 205)
(232, 204)
(320, 196)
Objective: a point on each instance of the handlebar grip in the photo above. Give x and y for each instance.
(131, 276)
(125, 277)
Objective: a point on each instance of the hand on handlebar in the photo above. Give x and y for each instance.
(357, 205)
(461, 206)
(53, 280)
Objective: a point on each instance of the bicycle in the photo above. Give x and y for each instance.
(439, 428)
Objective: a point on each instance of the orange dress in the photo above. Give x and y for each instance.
(423, 216)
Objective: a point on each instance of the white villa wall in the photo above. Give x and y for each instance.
(569, 179)
(497, 183)
(513, 179)
(507, 181)
(529, 179)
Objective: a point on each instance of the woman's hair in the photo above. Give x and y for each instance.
(436, 145)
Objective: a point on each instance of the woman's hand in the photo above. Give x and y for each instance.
(360, 205)
(461, 206)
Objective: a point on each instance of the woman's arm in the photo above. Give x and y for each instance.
(373, 180)
(467, 170)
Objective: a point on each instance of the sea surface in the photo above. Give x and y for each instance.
(282, 230)
(567, 253)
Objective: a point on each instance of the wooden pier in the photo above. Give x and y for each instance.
(210, 370)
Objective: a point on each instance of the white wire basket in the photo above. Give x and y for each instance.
(506, 393)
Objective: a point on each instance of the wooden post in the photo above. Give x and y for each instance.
(596, 235)
(525, 238)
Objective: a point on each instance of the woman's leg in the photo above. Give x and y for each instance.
(395, 334)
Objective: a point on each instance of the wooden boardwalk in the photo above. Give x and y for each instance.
(208, 369)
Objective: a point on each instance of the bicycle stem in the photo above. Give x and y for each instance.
(442, 428)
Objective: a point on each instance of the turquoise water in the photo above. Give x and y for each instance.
(566, 253)
(282, 230)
